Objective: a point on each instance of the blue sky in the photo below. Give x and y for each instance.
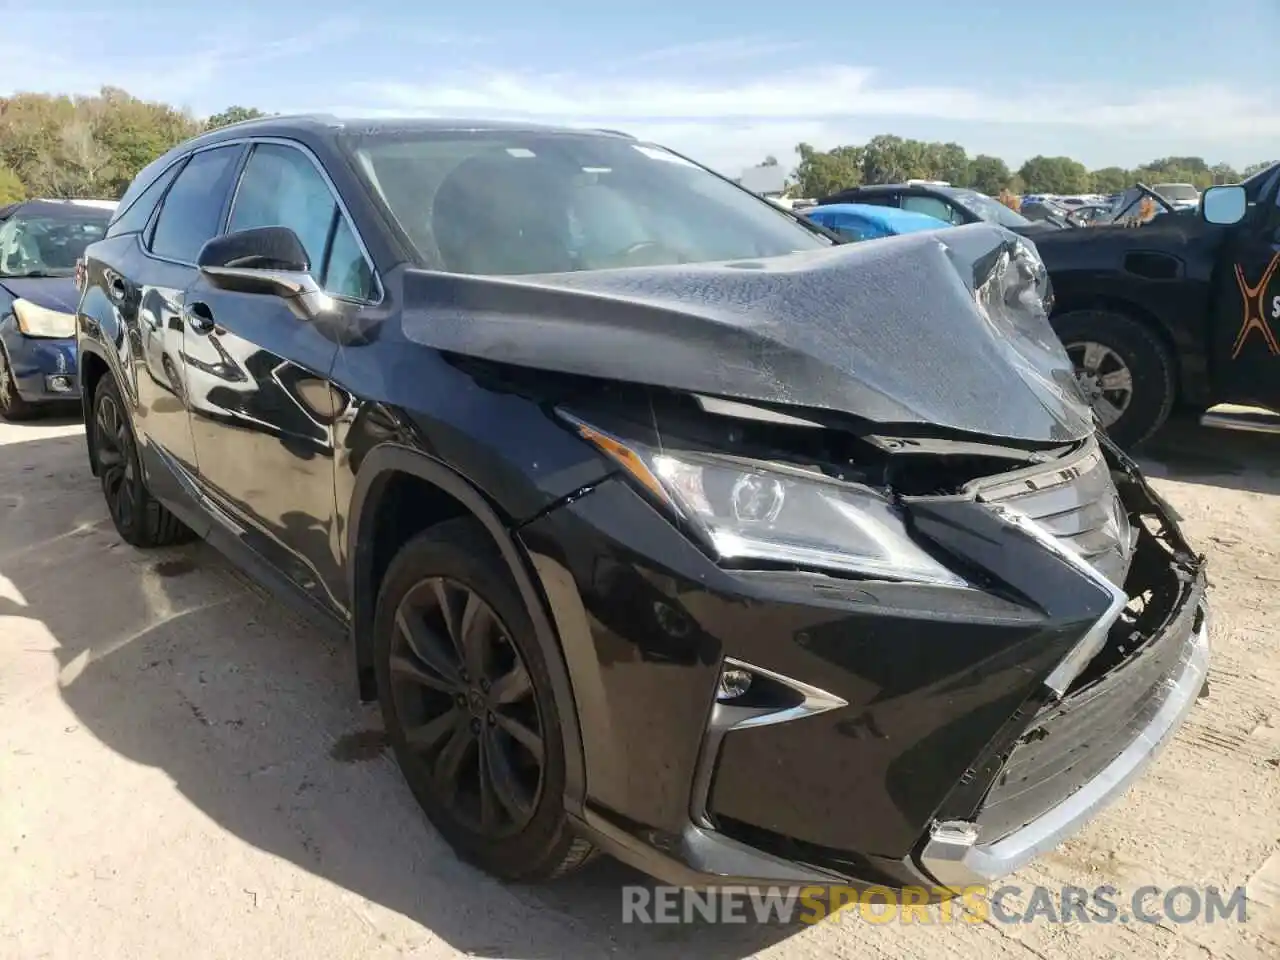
(1117, 82)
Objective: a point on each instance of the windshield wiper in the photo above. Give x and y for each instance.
(33, 275)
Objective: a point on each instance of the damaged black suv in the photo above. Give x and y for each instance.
(659, 523)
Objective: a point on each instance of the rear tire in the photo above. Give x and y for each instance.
(1125, 370)
(457, 721)
(12, 407)
(140, 519)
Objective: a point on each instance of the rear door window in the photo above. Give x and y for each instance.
(134, 218)
(192, 209)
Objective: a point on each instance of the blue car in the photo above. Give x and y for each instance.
(865, 221)
(40, 243)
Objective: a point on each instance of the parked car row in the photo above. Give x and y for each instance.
(650, 520)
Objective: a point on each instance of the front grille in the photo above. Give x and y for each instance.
(1071, 741)
(1075, 499)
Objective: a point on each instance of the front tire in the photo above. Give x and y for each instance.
(466, 702)
(1124, 369)
(12, 407)
(140, 519)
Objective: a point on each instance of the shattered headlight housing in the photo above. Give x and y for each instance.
(1015, 299)
(747, 510)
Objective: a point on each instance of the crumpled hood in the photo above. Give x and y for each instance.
(53, 293)
(908, 330)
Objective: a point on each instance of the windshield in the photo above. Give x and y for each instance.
(993, 211)
(48, 245)
(521, 202)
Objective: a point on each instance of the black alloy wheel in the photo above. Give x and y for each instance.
(465, 699)
(139, 518)
(113, 447)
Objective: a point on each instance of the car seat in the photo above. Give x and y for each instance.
(500, 214)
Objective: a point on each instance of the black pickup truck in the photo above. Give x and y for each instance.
(1166, 310)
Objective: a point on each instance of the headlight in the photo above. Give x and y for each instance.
(42, 322)
(751, 510)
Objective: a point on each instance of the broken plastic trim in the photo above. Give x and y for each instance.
(748, 411)
(1088, 647)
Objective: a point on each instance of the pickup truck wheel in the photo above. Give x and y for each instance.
(1124, 370)
(466, 702)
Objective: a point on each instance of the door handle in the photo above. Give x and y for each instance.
(199, 317)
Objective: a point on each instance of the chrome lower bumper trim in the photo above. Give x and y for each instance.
(954, 857)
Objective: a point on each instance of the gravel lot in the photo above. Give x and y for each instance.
(184, 771)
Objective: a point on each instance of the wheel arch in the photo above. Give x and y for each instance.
(380, 471)
(92, 368)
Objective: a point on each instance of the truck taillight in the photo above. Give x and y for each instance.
(81, 274)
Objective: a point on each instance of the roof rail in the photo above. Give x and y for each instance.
(617, 133)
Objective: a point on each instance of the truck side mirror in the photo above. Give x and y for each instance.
(1224, 205)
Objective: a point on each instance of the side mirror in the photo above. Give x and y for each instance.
(259, 248)
(264, 260)
(1224, 205)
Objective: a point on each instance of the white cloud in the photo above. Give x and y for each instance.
(166, 71)
(737, 121)
(724, 101)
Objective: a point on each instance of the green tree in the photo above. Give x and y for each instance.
(11, 188)
(1253, 168)
(1223, 173)
(1111, 179)
(822, 173)
(1055, 175)
(238, 114)
(988, 175)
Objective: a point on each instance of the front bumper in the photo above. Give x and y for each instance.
(931, 697)
(955, 854)
(43, 369)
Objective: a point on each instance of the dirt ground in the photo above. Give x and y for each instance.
(184, 771)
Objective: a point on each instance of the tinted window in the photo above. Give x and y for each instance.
(932, 207)
(347, 273)
(520, 202)
(134, 219)
(281, 187)
(193, 207)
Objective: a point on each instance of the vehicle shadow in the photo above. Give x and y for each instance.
(175, 661)
(50, 415)
(1189, 453)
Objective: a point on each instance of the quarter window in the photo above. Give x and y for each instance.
(192, 209)
(347, 273)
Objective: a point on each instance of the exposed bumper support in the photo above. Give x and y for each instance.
(954, 857)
